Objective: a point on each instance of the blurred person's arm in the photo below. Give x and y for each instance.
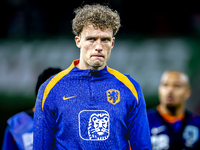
(8, 141)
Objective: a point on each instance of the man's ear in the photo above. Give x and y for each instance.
(113, 41)
(188, 93)
(78, 41)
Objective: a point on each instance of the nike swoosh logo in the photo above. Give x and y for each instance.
(66, 98)
(158, 129)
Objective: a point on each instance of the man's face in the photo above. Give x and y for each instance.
(174, 89)
(95, 46)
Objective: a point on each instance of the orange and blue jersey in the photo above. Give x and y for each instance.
(174, 132)
(91, 109)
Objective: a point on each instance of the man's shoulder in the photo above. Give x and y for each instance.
(122, 76)
(56, 79)
(193, 116)
(152, 111)
(129, 82)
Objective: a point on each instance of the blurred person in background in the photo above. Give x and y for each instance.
(19, 131)
(172, 126)
(89, 105)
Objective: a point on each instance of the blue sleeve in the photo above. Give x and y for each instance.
(8, 141)
(43, 137)
(138, 126)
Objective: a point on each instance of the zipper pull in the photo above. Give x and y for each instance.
(90, 72)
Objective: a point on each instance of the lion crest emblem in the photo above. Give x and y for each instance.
(113, 96)
(98, 126)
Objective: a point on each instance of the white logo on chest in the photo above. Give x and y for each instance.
(94, 125)
(98, 126)
(191, 135)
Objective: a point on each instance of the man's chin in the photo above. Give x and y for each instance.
(97, 64)
(171, 105)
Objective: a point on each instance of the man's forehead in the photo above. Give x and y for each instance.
(95, 30)
(174, 76)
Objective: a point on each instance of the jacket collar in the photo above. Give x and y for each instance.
(96, 73)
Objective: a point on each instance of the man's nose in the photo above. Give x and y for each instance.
(170, 89)
(98, 46)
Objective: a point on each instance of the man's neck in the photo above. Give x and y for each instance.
(81, 65)
(170, 115)
(174, 110)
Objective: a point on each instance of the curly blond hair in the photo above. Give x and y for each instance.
(99, 15)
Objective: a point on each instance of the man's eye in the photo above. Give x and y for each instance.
(177, 86)
(165, 84)
(91, 39)
(106, 39)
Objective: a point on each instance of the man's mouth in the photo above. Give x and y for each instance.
(97, 56)
(170, 99)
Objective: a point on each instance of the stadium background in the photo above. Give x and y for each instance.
(37, 34)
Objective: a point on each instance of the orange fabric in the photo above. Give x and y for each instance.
(76, 62)
(33, 109)
(167, 117)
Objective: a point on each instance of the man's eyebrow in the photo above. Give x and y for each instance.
(104, 37)
(89, 36)
(179, 83)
